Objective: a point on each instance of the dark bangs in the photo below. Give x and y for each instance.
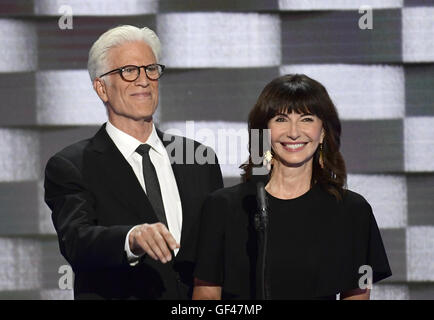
(290, 94)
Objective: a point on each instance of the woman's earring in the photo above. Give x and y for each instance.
(268, 157)
(321, 156)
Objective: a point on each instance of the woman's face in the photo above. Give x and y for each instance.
(295, 137)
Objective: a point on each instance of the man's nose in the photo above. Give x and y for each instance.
(142, 80)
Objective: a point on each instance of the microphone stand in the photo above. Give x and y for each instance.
(261, 226)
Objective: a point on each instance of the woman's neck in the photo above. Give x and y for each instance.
(289, 182)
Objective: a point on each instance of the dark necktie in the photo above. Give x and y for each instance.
(151, 182)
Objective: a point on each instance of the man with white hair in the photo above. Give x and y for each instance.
(126, 216)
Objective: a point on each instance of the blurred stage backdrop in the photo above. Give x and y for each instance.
(219, 55)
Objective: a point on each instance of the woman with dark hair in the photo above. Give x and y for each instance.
(323, 239)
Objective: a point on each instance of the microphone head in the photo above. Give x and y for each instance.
(261, 196)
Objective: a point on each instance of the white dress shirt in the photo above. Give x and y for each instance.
(127, 145)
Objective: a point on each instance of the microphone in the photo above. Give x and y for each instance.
(261, 226)
(261, 218)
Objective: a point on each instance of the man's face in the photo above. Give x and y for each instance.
(125, 100)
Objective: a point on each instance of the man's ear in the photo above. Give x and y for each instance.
(100, 88)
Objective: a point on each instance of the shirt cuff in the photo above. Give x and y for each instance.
(132, 258)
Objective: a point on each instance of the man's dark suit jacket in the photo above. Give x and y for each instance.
(96, 199)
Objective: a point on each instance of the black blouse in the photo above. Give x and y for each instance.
(316, 244)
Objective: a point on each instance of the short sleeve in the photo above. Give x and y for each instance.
(377, 257)
(210, 254)
(363, 247)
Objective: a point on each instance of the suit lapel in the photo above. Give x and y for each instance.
(119, 177)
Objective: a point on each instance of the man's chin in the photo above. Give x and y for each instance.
(143, 118)
(131, 118)
(148, 119)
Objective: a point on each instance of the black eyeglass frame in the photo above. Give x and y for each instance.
(121, 69)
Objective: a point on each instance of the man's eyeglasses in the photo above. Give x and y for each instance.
(131, 73)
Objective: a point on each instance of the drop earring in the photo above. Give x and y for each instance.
(268, 157)
(321, 156)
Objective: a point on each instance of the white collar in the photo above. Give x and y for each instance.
(127, 144)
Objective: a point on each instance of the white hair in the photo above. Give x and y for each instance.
(97, 62)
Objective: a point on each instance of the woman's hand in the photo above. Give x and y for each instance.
(356, 294)
(206, 290)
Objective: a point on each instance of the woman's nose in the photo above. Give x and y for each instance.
(293, 131)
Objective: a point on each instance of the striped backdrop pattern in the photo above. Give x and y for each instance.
(219, 55)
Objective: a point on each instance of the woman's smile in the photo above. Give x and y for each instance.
(293, 146)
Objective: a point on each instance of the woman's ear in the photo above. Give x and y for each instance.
(100, 88)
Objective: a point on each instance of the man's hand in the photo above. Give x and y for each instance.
(154, 240)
